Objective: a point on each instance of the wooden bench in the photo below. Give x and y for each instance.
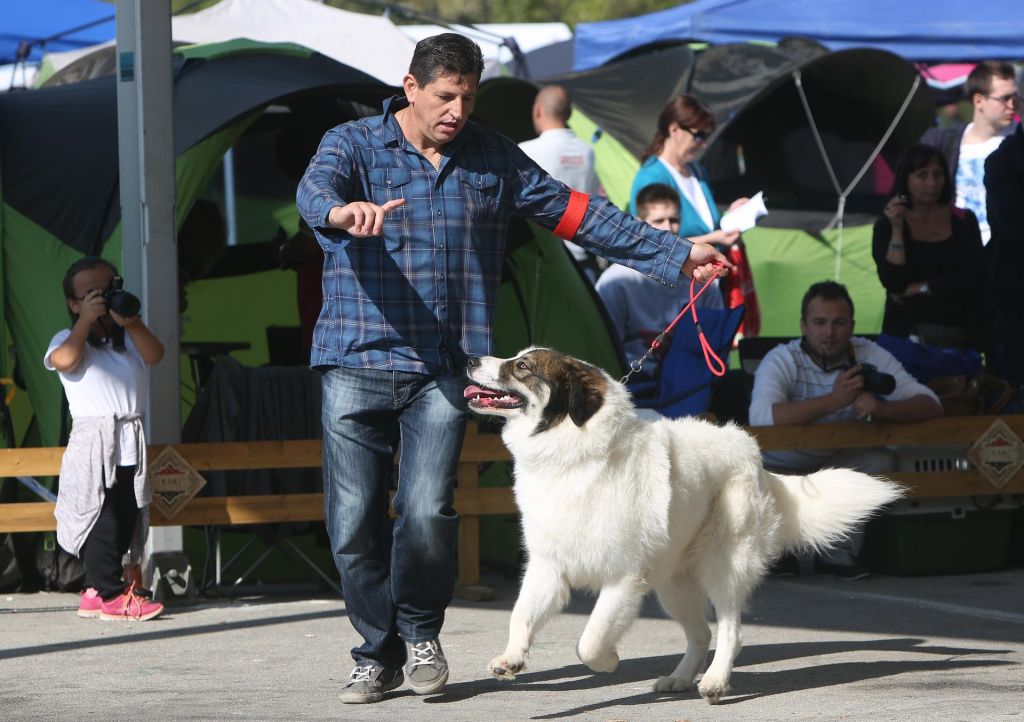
(473, 501)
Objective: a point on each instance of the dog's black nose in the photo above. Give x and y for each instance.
(473, 362)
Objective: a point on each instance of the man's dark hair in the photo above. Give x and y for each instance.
(915, 158)
(980, 79)
(828, 290)
(655, 193)
(446, 54)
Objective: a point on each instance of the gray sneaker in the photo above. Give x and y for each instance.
(369, 682)
(426, 668)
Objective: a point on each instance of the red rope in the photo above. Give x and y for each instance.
(715, 364)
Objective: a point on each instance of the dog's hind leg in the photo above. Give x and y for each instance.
(543, 593)
(616, 608)
(683, 599)
(715, 682)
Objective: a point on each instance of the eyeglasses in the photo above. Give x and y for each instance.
(698, 135)
(1010, 99)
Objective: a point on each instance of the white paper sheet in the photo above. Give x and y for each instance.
(745, 217)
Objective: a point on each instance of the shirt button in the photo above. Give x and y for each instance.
(444, 306)
(442, 245)
(441, 277)
(439, 213)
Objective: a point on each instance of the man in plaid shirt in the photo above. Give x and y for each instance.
(411, 208)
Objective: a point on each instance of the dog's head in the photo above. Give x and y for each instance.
(540, 384)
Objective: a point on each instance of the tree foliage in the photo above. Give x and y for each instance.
(513, 11)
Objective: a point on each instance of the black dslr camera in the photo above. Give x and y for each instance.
(877, 382)
(119, 300)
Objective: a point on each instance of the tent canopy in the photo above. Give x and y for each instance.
(41, 19)
(939, 30)
(370, 43)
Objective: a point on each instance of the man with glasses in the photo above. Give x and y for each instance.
(992, 89)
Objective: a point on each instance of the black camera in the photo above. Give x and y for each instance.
(119, 300)
(906, 201)
(877, 382)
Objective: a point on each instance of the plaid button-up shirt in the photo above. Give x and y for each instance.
(421, 297)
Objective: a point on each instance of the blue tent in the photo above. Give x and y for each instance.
(33, 21)
(936, 30)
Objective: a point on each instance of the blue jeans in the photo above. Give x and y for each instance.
(397, 580)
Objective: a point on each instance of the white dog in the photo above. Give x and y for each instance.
(619, 505)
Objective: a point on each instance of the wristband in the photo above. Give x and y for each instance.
(897, 246)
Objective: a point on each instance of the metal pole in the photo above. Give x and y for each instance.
(149, 258)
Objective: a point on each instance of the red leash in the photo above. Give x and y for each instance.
(715, 364)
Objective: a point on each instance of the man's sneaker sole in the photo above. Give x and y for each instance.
(436, 686)
(351, 697)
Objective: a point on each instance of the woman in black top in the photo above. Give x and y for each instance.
(929, 257)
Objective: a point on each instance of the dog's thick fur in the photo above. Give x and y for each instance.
(620, 505)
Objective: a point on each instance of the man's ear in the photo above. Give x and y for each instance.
(410, 86)
(73, 305)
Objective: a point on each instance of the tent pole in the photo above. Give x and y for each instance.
(149, 249)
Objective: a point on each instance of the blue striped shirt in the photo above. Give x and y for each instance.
(421, 297)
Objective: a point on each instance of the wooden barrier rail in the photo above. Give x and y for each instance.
(472, 501)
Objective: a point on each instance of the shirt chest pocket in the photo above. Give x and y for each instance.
(388, 184)
(481, 191)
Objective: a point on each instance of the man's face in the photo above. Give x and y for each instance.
(828, 326)
(441, 107)
(663, 216)
(998, 106)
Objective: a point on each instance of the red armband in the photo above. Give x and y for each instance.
(573, 216)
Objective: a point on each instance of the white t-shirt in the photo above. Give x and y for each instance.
(568, 159)
(689, 186)
(565, 157)
(970, 178)
(105, 383)
(787, 373)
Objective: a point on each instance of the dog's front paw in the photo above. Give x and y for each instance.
(599, 660)
(712, 689)
(672, 684)
(505, 667)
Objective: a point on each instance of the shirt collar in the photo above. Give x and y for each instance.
(391, 132)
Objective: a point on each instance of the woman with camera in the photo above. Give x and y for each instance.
(929, 257)
(104, 493)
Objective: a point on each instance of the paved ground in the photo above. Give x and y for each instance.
(817, 648)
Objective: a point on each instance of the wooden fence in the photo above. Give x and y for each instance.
(473, 501)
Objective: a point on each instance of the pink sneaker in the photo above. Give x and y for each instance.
(129, 607)
(90, 605)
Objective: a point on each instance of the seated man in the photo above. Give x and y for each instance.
(639, 307)
(830, 375)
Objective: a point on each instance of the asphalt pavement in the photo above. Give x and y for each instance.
(816, 648)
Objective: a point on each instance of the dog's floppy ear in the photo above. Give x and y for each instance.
(585, 387)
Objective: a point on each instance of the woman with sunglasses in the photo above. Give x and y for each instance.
(683, 128)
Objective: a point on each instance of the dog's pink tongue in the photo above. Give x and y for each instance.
(475, 391)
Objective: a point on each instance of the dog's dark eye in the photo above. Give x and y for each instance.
(521, 365)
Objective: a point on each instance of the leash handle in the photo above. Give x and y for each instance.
(714, 362)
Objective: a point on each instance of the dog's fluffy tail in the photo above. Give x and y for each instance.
(818, 510)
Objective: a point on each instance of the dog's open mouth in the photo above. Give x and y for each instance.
(481, 398)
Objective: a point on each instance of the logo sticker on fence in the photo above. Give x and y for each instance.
(998, 454)
(174, 482)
